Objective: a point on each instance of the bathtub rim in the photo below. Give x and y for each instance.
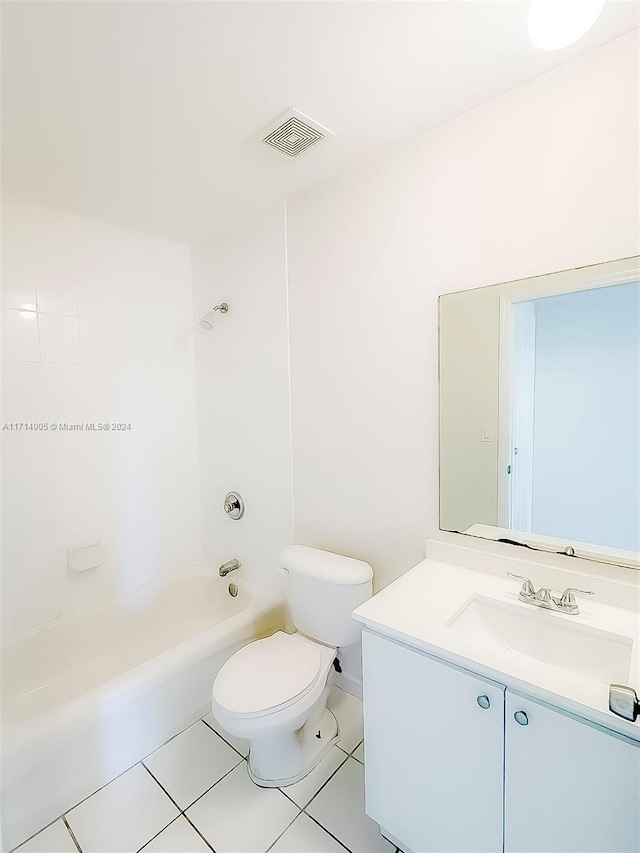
(131, 683)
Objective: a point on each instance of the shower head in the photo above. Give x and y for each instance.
(207, 320)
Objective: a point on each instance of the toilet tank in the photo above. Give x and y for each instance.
(322, 590)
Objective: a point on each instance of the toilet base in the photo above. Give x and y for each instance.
(291, 756)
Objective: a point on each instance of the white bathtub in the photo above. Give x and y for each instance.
(86, 698)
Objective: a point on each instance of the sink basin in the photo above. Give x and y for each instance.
(546, 636)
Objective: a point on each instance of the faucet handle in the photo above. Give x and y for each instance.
(567, 599)
(544, 595)
(528, 588)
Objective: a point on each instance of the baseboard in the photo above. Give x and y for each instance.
(349, 684)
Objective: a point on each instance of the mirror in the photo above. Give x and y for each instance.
(540, 412)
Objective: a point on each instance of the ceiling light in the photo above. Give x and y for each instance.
(554, 24)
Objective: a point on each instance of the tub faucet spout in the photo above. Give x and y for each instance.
(231, 566)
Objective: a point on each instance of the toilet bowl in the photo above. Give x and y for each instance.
(274, 691)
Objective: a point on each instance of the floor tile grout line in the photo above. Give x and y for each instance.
(169, 739)
(191, 823)
(153, 837)
(325, 783)
(316, 820)
(181, 810)
(161, 786)
(286, 829)
(173, 737)
(198, 798)
(62, 815)
(31, 837)
(71, 833)
(328, 831)
(184, 812)
(361, 741)
(224, 740)
(84, 799)
(291, 800)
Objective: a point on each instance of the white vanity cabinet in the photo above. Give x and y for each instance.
(570, 787)
(434, 754)
(455, 762)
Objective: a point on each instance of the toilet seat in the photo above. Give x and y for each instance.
(267, 675)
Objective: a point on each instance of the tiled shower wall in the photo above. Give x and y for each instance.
(97, 327)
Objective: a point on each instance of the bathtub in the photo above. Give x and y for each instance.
(85, 698)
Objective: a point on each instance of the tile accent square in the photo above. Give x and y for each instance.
(191, 763)
(348, 712)
(305, 836)
(236, 816)
(178, 837)
(304, 790)
(53, 839)
(122, 816)
(340, 808)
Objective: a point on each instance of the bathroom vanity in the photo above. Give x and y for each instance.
(486, 719)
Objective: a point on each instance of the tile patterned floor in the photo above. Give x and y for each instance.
(193, 795)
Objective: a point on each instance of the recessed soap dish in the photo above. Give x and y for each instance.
(84, 558)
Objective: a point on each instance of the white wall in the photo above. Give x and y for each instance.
(111, 340)
(587, 404)
(469, 381)
(541, 179)
(243, 397)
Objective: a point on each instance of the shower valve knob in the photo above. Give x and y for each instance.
(234, 505)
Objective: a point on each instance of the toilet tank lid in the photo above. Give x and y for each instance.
(325, 565)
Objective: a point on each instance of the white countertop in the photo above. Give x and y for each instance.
(416, 608)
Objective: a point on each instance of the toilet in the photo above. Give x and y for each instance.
(274, 691)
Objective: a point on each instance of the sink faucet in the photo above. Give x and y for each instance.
(231, 566)
(543, 597)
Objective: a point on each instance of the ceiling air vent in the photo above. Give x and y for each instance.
(293, 132)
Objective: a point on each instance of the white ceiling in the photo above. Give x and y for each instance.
(144, 113)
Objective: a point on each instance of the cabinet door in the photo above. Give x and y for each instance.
(433, 754)
(570, 787)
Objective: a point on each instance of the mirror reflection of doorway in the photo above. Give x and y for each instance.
(573, 464)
